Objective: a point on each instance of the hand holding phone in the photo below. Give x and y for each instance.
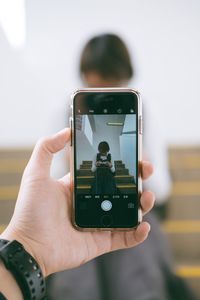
(42, 216)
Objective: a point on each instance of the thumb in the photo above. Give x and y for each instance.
(66, 180)
(41, 158)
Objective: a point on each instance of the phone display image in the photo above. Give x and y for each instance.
(103, 169)
(111, 142)
(105, 151)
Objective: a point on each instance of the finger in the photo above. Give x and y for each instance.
(147, 169)
(42, 155)
(147, 201)
(121, 240)
(142, 232)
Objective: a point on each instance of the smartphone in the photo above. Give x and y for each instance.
(106, 144)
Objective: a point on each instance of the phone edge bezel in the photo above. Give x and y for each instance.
(114, 89)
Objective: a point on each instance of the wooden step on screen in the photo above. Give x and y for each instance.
(124, 181)
(12, 164)
(183, 223)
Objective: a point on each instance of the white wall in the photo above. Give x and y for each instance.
(164, 40)
(128, 152)
(110, 134)
(83, 148)
(128, 144)
(87, 129)
(129, 123)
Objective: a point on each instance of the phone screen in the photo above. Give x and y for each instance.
(106, 160)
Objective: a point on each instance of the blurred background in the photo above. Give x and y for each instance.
(40, 47)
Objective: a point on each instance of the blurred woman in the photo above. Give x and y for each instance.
(145, 272)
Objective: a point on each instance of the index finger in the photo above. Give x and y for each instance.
(41, 158)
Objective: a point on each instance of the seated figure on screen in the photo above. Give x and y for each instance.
(104, 170)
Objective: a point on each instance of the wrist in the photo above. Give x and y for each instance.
(11, 234)
(24, 268)
(8, 285)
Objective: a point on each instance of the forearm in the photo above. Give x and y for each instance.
(8, 285)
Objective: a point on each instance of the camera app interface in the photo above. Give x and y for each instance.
(106, 165)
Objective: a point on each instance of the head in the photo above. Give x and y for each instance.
(103, 147)
(105, 62)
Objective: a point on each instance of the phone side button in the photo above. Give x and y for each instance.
(140, 125)
(70, 122)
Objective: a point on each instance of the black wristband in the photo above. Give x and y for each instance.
(24, 268)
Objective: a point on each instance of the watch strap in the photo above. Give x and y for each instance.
(3, 243)
(24, 268)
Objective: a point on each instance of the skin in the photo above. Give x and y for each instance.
(42, 216)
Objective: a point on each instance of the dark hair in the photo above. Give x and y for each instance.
(108, 55)
(103, 147)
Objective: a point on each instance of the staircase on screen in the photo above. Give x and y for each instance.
(124, 181)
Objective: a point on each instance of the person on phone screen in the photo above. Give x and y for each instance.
(104, 170)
